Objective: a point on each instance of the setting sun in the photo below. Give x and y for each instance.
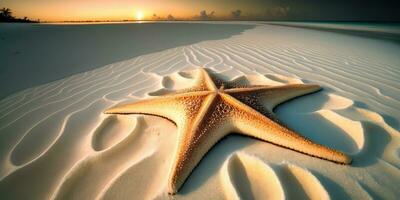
(139, 15)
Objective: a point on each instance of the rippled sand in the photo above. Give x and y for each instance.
(55, 143)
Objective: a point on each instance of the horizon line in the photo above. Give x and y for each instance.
(208, 20)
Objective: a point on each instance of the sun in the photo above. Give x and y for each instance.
(139, 15)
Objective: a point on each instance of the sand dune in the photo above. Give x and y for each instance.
(55, 143)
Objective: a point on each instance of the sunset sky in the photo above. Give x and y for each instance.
(77, 10)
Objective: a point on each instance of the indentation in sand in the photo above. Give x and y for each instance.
(247, 177)
(311, 186)
(173, 82)
(36, 140)
(112, 129)
(352, 128)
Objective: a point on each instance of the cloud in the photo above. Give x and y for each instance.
(170, 17)
(236, 14)
(205, 16)
(156, 17)
(277, 12)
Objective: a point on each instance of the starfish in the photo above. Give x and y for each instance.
(212, 109)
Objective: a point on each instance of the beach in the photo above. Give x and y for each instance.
(57, 143)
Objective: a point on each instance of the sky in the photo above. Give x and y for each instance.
(81, 10)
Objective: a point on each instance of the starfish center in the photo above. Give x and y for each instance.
(220, 90)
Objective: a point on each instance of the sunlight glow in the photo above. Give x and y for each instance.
(139, 15)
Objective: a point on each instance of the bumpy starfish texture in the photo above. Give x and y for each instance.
(212, 109)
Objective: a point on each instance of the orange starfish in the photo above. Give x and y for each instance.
(212, 109)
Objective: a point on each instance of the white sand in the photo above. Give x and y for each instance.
(60, 50)
(56, 143)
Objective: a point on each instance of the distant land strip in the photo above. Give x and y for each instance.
(390, 36)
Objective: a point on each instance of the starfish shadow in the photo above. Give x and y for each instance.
(376, 141)
(335, 190)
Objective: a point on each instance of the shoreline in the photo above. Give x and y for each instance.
(374, 34)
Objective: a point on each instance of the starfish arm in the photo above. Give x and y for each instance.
(275, 95)
(204, 81)
(177, 108)
(207, 79)
(251, 123)
(196, 139)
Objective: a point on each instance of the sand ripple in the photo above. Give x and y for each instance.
(246, 177)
